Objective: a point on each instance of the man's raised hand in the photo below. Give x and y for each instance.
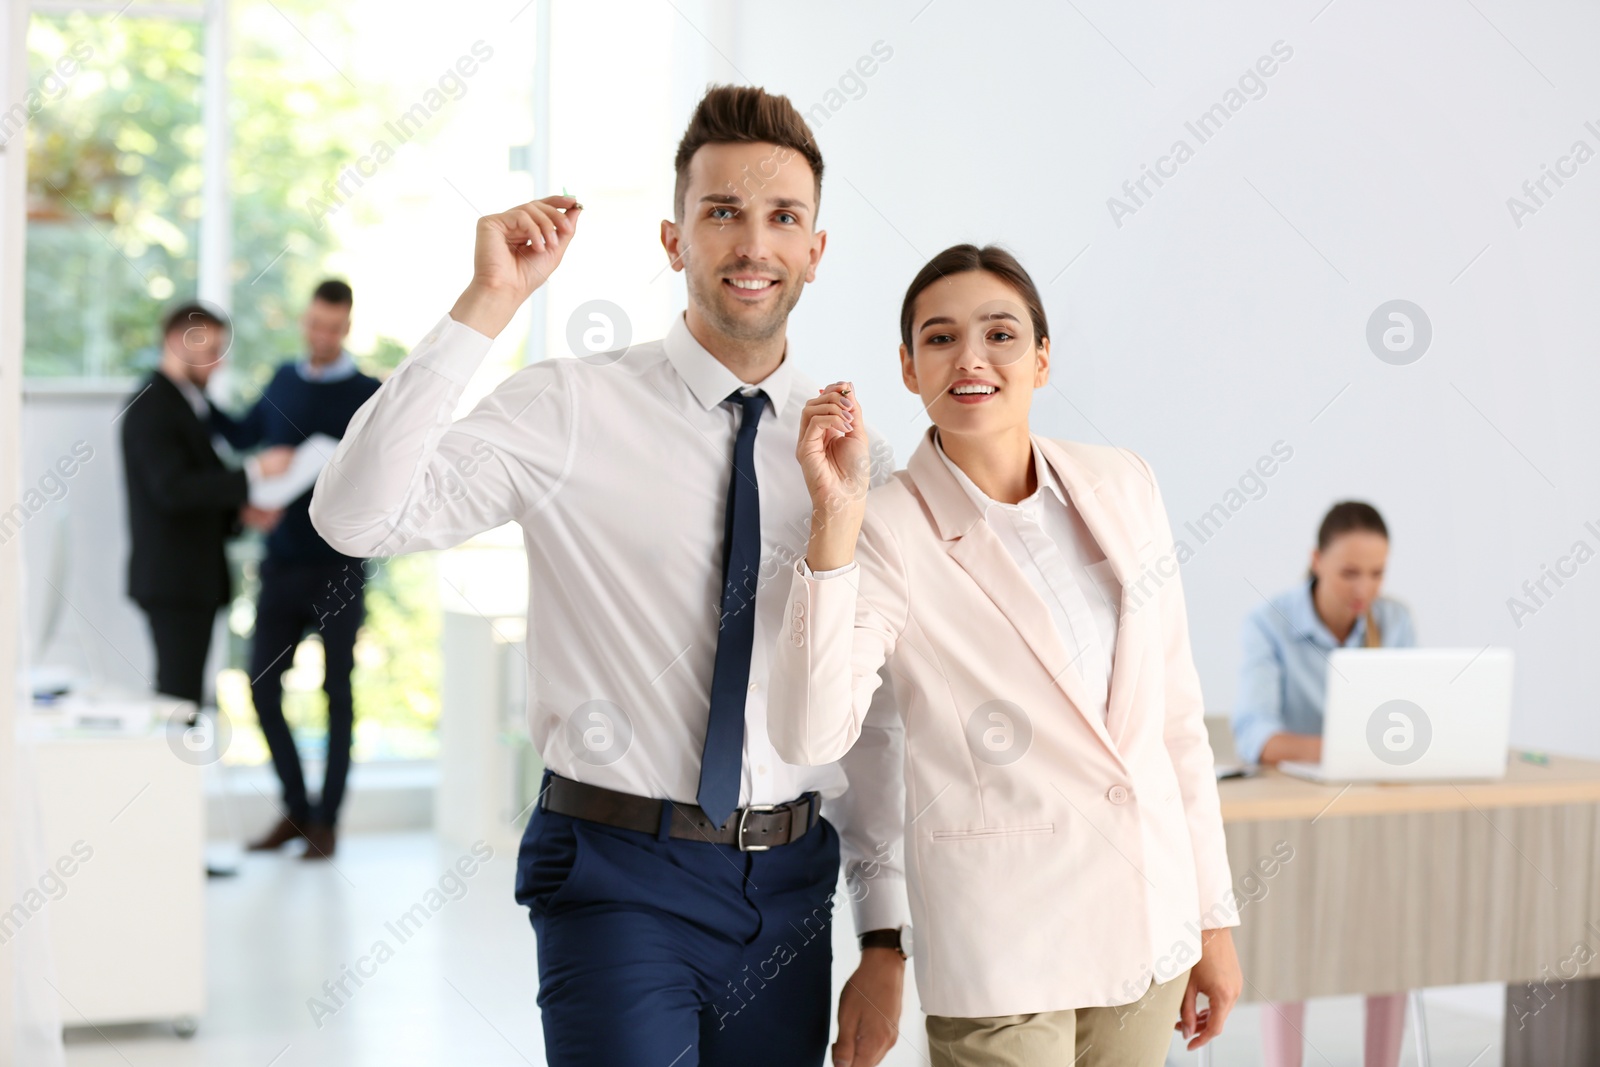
(515, 253)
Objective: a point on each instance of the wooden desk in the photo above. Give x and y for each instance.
(1394, 887)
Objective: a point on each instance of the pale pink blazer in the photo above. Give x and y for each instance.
(1054, 861)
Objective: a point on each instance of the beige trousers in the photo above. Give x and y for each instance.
(1125, 1035)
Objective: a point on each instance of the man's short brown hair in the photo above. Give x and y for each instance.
(186, 316)
(745, 114)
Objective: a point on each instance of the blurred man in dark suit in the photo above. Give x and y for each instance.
(184, 503)
(306, 584)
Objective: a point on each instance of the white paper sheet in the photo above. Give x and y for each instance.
(310, 456)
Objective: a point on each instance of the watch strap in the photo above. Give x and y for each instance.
(882, 939)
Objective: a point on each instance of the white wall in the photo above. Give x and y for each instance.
(1230, 309)
(11, 170)
(101, 635)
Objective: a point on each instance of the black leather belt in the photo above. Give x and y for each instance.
(755, 828)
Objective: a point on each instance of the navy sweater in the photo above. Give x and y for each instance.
(290, 410)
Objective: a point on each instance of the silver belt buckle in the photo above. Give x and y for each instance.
(745, 814)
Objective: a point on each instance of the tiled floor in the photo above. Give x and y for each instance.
(461, 989)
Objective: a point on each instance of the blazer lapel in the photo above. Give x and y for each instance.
(184, 415)
(979, 551)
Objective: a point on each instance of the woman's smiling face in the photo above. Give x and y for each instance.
(974, 359)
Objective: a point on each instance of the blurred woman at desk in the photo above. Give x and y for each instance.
(1278, 714)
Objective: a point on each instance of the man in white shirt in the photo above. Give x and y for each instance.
(678, 876)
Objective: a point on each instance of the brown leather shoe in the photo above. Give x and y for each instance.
(319, 842)
(277, 837)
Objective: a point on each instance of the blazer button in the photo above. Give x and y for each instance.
(799, 609)
(798, 640)
(1117, 795)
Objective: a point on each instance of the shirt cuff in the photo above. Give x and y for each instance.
(451, 350)
(824, 576)
(1251, 736)
(880, 903)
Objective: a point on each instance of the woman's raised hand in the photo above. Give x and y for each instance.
(836, 458)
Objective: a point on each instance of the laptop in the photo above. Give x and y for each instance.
(1413, 714)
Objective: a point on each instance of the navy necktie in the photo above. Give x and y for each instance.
(722, 758)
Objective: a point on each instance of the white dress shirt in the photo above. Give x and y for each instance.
(616, 466)
(192, 393)
(1052, 545)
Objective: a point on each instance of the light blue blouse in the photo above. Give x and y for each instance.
(1284, 676)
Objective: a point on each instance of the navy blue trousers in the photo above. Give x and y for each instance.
(657, 952)
(295, 599)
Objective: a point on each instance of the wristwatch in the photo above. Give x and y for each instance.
(898, 939)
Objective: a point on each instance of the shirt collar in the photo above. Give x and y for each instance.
(340, 369)
(1042, 470)
(191, 393)
(709, 379)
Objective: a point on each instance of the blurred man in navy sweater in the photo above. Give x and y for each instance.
(305, 583)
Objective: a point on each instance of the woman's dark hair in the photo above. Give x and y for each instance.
(1348, 517)
(958, 259)
(1345, 517)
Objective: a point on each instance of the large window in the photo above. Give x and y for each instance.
(114, 182)
(121, 187)
(116, 174)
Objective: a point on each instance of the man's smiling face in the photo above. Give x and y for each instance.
(747, 240)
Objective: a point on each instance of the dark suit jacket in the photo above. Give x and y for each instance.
(183, 501)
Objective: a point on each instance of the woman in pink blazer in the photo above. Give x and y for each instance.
(1068, 879)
